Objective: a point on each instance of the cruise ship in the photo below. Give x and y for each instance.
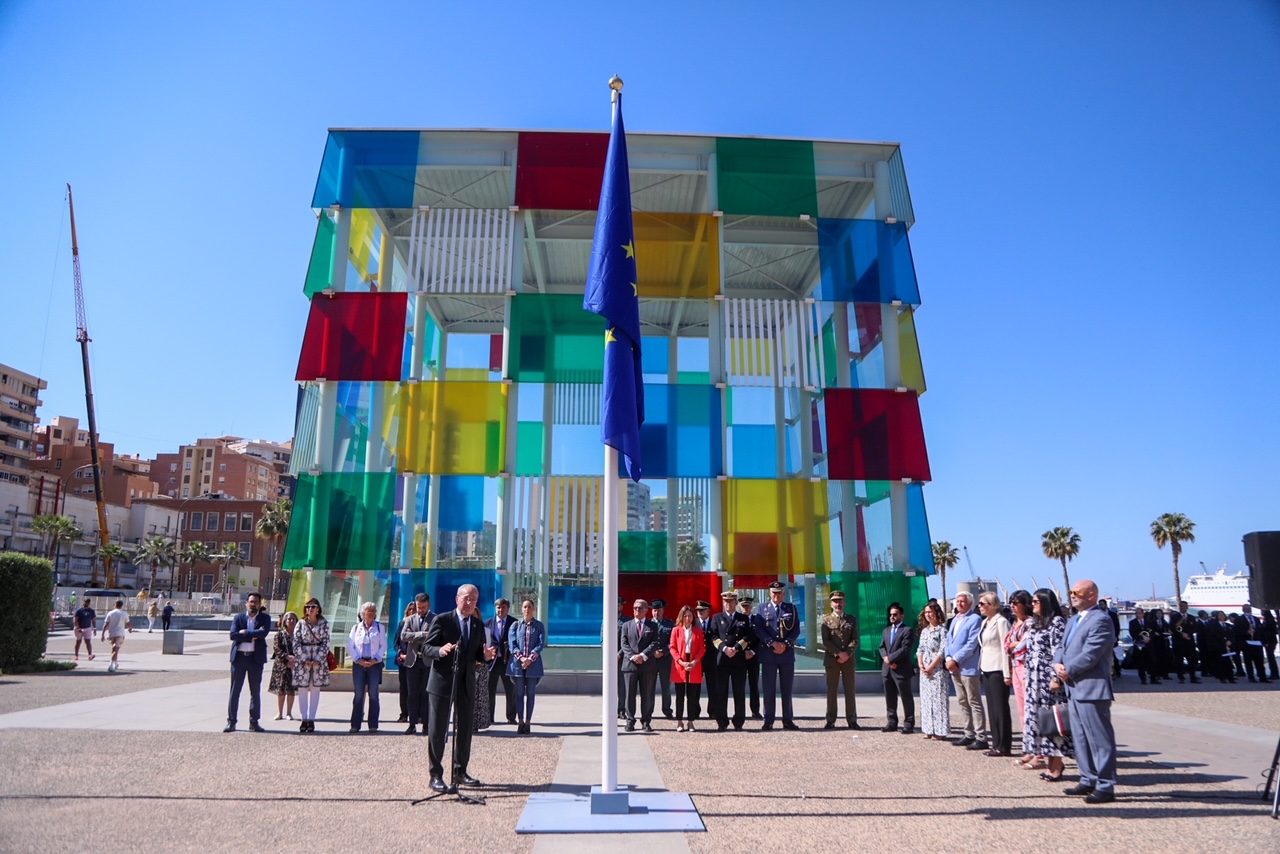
(1217, 592)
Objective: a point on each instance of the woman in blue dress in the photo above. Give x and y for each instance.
(526, 639)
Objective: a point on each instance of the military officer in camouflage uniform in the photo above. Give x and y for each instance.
(839, 648)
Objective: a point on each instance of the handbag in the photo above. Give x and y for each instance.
(1053, 721)
(331, 661)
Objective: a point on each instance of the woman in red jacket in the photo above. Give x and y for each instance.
(687, 646)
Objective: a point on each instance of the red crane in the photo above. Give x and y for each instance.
(82, 335)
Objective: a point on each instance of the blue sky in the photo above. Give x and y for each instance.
(1096, 184)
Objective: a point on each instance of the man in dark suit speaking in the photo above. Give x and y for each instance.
(455, 637)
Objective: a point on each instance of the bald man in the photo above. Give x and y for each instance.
(1083, 664)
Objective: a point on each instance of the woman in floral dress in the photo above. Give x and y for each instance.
(282, 665)
(1016, 646)
(1045, 633)
(935, 681)
(311, 661)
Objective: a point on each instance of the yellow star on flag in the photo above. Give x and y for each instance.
(608, 336)
(631, 249)
(634, 290)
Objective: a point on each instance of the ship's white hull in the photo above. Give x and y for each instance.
(1220, 592)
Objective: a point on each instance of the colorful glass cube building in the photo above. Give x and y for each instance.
(449, 402)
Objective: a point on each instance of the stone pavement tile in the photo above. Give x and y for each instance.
(37, 690)
(1253, 705)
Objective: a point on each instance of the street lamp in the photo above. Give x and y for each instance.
(177, 538)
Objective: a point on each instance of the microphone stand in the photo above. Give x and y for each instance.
(453, 788)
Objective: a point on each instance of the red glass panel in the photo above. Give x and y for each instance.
(755, 553)
(495, 353)
(677, 588)
(354, 336)
(560, 171)
(874, 434)
(868, 318)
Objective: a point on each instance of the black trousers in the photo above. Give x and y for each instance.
(245, 665)
(640, 682)
(998, 717)
(419, 707)
(1185, 660)
(402, 678)
(731, 679)
(712, 682)
(664, 683)
(499, 673)
(438, 730)
(1253, 662)
(753, 685)
(688, 695)
(164, 622)
(898, 685)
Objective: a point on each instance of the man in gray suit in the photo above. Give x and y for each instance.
(639, 667)
(413, 634)
(1083, 665)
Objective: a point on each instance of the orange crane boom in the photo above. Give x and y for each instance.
(82, 336)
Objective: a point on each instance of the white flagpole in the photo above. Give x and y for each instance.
(608, 674)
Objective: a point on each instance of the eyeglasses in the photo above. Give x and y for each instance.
(1074, 595)
(312, 608)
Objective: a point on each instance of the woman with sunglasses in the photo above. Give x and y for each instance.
(311, 661)
(997, 674)
(1046, 630)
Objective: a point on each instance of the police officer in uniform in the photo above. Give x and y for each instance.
(839, 646)
(663, 654)
(708, 660)
(745, 604)
(777, 626)
(730, 633)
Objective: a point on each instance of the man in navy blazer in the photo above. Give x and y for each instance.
(896, 644)
(1083, 665)
(248, 655)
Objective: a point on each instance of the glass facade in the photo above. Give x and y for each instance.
(448, 416)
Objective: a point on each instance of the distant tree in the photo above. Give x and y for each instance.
(945, 556)
(157, 552)
(228, 557)
(1173, 529)
(691, 556)
(57, 530)
(1061, 544)
(112, 554)
(193, 554)
(273, 526)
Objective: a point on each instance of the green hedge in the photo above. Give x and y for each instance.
(26, 588)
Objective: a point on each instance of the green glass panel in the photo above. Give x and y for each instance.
(553, 340)
(320, 270)
(868, 596)
(340, 595)
(766, 177)
(693, 377)
(829, 352)
(529, 448)
(342, 521)
(642, 551)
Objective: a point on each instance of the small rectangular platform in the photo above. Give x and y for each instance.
(650, 812)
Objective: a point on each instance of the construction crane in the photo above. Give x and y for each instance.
(82, 335)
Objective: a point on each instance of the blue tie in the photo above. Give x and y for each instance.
(893, 634)
(1072, 628)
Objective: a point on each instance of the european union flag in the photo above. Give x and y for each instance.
(611, 293)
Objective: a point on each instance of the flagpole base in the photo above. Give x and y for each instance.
(617, 802)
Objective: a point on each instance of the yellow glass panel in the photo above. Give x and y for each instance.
(451, 428)
(361, 249)
(751, 357)
(776, 526)
(575, 504)
(677, 255)
(909, 351)
(473, 375)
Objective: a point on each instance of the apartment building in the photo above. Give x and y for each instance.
(19, 400)
(63, 452)
(215, 466)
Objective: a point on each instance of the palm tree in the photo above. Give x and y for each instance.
(1174, 529)
(113, 554)
(193, 554)
(157, 551)
(945, 556)
(228, 557)
(58, 530)
(691, 556)
(273, 526)
(1061, 544)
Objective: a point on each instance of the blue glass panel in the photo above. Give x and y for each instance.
(653, 359)
(753, 451)
(681, 435)
(368, 169)
(576, 450)
(866, 261)
(461, 503)
(921, 553)
(442, 586)
(576, 615)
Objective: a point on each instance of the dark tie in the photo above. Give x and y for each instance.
(462, 622)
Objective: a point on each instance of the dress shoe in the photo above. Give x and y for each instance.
(412, 730)
(631, 726)
(963, 742)
(1266, 681)
(854, 725)
(403, 719)
(721, 727)
(766, 727)
(254, 727)
(669, 715)
(907, 730)
(1195, 681)
(229, 728)
(889, 728)
(513, 721)
(437, 785)
(1078, 789)
(1099, 797)
(354, 729)
(468, 780)
(829, 725)
(979, 745)
(646, 728)
(756, 716)
(790, 725)
(737, 727)
(994, 753)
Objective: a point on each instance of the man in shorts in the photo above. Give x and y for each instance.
(113, 627)
(85, 624)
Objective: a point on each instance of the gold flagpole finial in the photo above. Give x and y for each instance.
(615, 83)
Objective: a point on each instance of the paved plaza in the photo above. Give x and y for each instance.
(137, 760)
